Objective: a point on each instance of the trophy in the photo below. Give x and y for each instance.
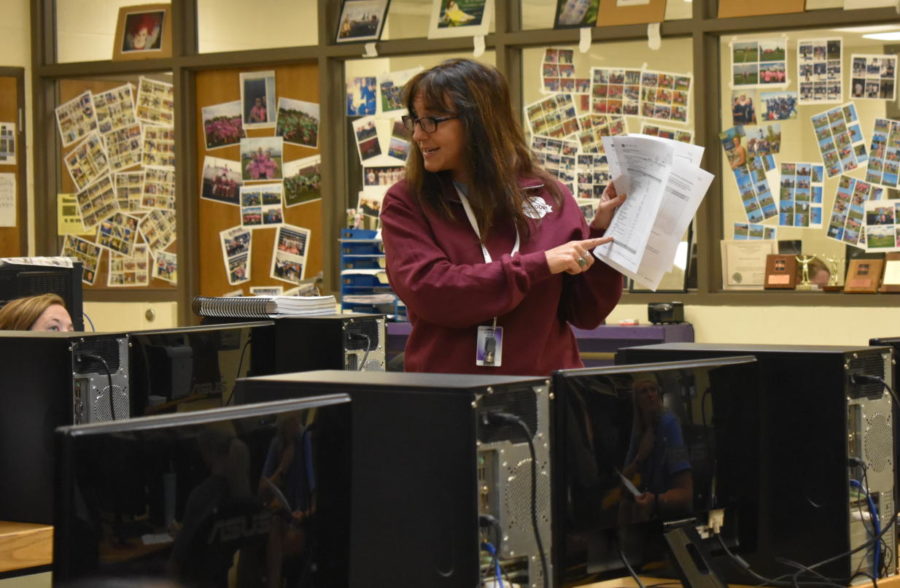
(834, 264)
(804, 260)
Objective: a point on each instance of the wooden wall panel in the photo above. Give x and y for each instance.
(298, 82)
(12, 239)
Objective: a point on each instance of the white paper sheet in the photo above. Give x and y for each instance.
(665, 188)
(7, 200)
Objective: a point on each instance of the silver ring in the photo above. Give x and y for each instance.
(582, 261)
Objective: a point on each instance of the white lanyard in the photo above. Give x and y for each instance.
(471, 216)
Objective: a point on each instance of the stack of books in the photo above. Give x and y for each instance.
(263, 306)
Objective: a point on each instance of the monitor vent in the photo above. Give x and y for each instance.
(878, 442)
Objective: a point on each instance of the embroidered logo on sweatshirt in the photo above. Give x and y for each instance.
(536, 207)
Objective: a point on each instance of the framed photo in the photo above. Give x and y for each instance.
(143, 32)
(576, 13)
(361, 20)
(864, 276)
(460, 18)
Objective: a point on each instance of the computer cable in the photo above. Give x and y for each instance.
(362, 364)
(876, 525)
(81, 356)
(630, 569)
(495, 561)
(237, 373)
(90, 322)
(496, 417)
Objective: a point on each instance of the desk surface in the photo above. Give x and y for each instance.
(25, 545)
(628, 582)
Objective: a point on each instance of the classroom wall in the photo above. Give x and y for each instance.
(819, 324)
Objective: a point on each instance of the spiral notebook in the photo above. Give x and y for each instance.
(263, 306)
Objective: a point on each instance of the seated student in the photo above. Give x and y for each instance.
(43, 312)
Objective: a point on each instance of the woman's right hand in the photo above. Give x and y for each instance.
(573, 257)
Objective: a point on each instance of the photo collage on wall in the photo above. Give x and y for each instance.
(750, 174)
(566, 127)
(120, 154)
(840, 139)
(383, 143)
(873, 77)
(884, 153)
(848, 213)
(753, 232)
(819, 71)
(759, 64)
(262, 185)
(800, 196)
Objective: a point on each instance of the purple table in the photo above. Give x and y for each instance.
(597, 346)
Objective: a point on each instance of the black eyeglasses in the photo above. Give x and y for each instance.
(429, 124)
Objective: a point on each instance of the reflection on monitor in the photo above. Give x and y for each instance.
(638, 448)
(191, 368)
(257, 494)
(18, 280)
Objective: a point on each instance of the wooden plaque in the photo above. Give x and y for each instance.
(781, 272)
(863, 276)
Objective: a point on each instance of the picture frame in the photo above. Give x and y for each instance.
(863, 276)
(361, 20)
(143, 32)
(258, 99)
(572, 14)
(460, 18)
(781, 272)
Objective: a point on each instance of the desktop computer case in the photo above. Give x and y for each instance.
(425, 466)
(49, 382)
(815, 425)
(333, 342)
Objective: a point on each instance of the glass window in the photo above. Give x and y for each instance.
(803, 149)
(410, 19)
(86, 29)
(116, 186)
(541, 14)
(572, 99)
(236, 25)
(374, 87)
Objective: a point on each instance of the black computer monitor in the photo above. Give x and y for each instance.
(624, 436)
(18, 280)
(191, 368)
(258, 493)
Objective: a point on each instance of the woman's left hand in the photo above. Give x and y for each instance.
(609, 202)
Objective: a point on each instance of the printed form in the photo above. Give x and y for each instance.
(665, 185)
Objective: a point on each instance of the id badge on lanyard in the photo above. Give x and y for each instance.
(489, 338)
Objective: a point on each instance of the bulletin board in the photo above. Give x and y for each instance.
(244, 247)
(118, 245)
(13, 228)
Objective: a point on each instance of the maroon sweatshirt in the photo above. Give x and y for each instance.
(437, 268)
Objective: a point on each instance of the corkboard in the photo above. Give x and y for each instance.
(11, 238)
(732, 8)
(69, 89)
(298, 82)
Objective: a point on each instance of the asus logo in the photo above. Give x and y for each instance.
(239, 527)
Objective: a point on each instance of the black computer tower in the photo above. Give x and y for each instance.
(431, 453)
(50, 380)
(821, 430)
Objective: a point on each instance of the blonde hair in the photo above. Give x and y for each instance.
(21, 313)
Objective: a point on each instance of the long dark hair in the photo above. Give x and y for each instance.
(495, 150)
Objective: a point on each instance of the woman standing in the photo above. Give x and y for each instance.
(488, 251)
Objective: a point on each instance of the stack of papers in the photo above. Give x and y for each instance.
(264, 306)
(664, 184)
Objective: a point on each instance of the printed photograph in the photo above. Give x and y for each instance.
(221, 180)
(460, 18)
(222, 124)
(361, 20)
(261, 158)
(258, 99)
(302, 181)
(298, 122)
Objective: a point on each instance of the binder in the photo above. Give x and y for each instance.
(263, 306)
